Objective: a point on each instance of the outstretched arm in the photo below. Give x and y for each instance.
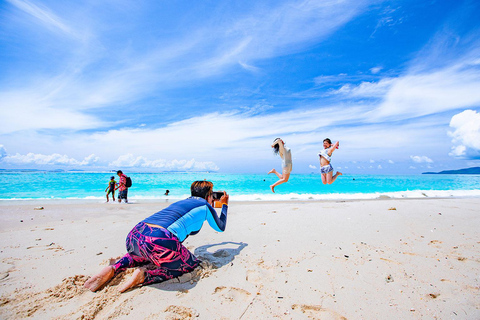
(333, 148)
(218, 223)
(281, 149)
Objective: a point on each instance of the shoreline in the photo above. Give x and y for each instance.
(133, 200)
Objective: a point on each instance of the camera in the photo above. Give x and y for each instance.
(217, 195)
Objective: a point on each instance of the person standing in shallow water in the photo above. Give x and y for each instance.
(326, 168)
(286, 155)
(111, 188)
(155, 244)
(122, 187)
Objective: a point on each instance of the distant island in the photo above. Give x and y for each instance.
(474, 170)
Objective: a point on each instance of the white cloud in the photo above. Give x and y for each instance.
(458, 151)
(30, 111)
(367, 89)
(421, 94)
(372, 161)
(465, 134)
(3, 152)
(129, 160)
(203, 138)
(391, 161)
(375, 70)
(52, 159)
(379, 166)
(312, 166)
(421, 159)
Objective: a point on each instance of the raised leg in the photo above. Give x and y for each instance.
(278, 174)
(283, 178)
(331, 179)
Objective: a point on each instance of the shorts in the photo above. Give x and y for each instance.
(112, 191)
(123, 194)
(326, 169)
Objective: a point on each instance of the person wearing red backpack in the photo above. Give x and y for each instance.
(122, 187)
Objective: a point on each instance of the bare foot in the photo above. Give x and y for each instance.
(272, 171)
(271, 187)
(339, 173)
(137, 278)
(98, 280)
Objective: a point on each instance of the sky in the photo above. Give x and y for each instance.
(160, 86)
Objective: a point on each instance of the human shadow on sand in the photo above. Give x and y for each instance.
(213, 257)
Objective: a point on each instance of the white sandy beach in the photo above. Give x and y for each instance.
(276, 260)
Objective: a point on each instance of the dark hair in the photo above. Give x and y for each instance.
(119, 171)
(328, 140)
(276, 147)
(201, 189)
(112, 177)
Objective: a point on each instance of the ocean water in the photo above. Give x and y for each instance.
(241, 187)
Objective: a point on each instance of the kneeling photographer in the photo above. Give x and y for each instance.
(156, 242)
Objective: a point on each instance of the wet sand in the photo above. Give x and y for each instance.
(381, 259)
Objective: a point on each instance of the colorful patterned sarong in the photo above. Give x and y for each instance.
(158, 246)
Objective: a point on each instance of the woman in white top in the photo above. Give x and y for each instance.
(286, 155)
(325, 157)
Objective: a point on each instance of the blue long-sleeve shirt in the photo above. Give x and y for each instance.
(186, 217)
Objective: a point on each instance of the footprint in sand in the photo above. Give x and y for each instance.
(180, 312)
(261, 275)
(5, 269)
(232, 294)
(317, 312)
(435, 243)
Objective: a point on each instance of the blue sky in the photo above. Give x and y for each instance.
(207, 85)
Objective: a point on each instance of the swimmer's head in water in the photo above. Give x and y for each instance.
(275, 146)
(201, 189)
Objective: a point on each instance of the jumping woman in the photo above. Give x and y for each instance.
(325, 157)
(286, 155)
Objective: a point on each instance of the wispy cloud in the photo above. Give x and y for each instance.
(421, 159)
(416, 94)
(96, 78)
(43, 16)
(129, 161)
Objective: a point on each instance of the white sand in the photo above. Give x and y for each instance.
(276, 260)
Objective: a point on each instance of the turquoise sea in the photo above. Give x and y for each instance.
(241, 187)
